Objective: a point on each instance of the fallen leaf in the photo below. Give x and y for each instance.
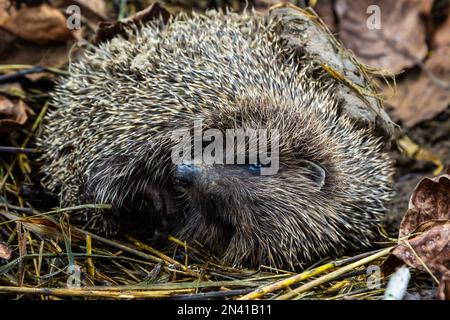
(426, 6)
(5, 251)
(325, 10)
(6, 36)
(96, 7)
(424, 236)
(420, 97)
(93, 11)
(54, 55)
(396, 44)
(39, 24)
(12, 114)
(7, 40)
(432, 247)
(442, 33)
(430, 201)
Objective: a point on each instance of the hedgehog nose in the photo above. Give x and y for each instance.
(186, 172)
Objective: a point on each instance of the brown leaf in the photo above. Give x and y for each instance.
(96, 7)
(442, 34)
(421, 97)
(432, 246)
(325, 10)
(5, 251)
(40, 24)
(428, 222)
(7, 40)
(426, 6)
(12, 114)
(93, 11)
(53, 55)
(430, 201)
(107, 30)
(399, 43)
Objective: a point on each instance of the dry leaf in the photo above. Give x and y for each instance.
(426, 6)
(5, 6)
(325, 10)
(97, 7)
(5, 251)
(430, 201)
(41, 24)
(432, 246)
(397, 44)
(7, 40)
(442, 34)
(12, 114)
(427, 221)
(421, 97)
(93, 11)
(54, 55)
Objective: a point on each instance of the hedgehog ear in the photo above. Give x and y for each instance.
(315, 172)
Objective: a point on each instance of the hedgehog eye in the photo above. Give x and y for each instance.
(255, 167)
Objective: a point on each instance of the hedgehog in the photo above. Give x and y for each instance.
(108, 138)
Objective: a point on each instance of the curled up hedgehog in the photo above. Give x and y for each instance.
(109, 139)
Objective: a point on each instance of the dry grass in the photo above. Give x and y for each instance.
(45, 247)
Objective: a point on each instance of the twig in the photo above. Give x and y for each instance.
(287, 282)
(178, 286)
(89, 262)
(8, 67)
(212, 295)
(88, 293)
(19, 74)
(301, 277)
(16, 150)
(333, 275)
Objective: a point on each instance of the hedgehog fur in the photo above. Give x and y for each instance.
(107, 139)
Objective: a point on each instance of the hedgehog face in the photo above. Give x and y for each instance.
(247, 216)
(244, 215)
